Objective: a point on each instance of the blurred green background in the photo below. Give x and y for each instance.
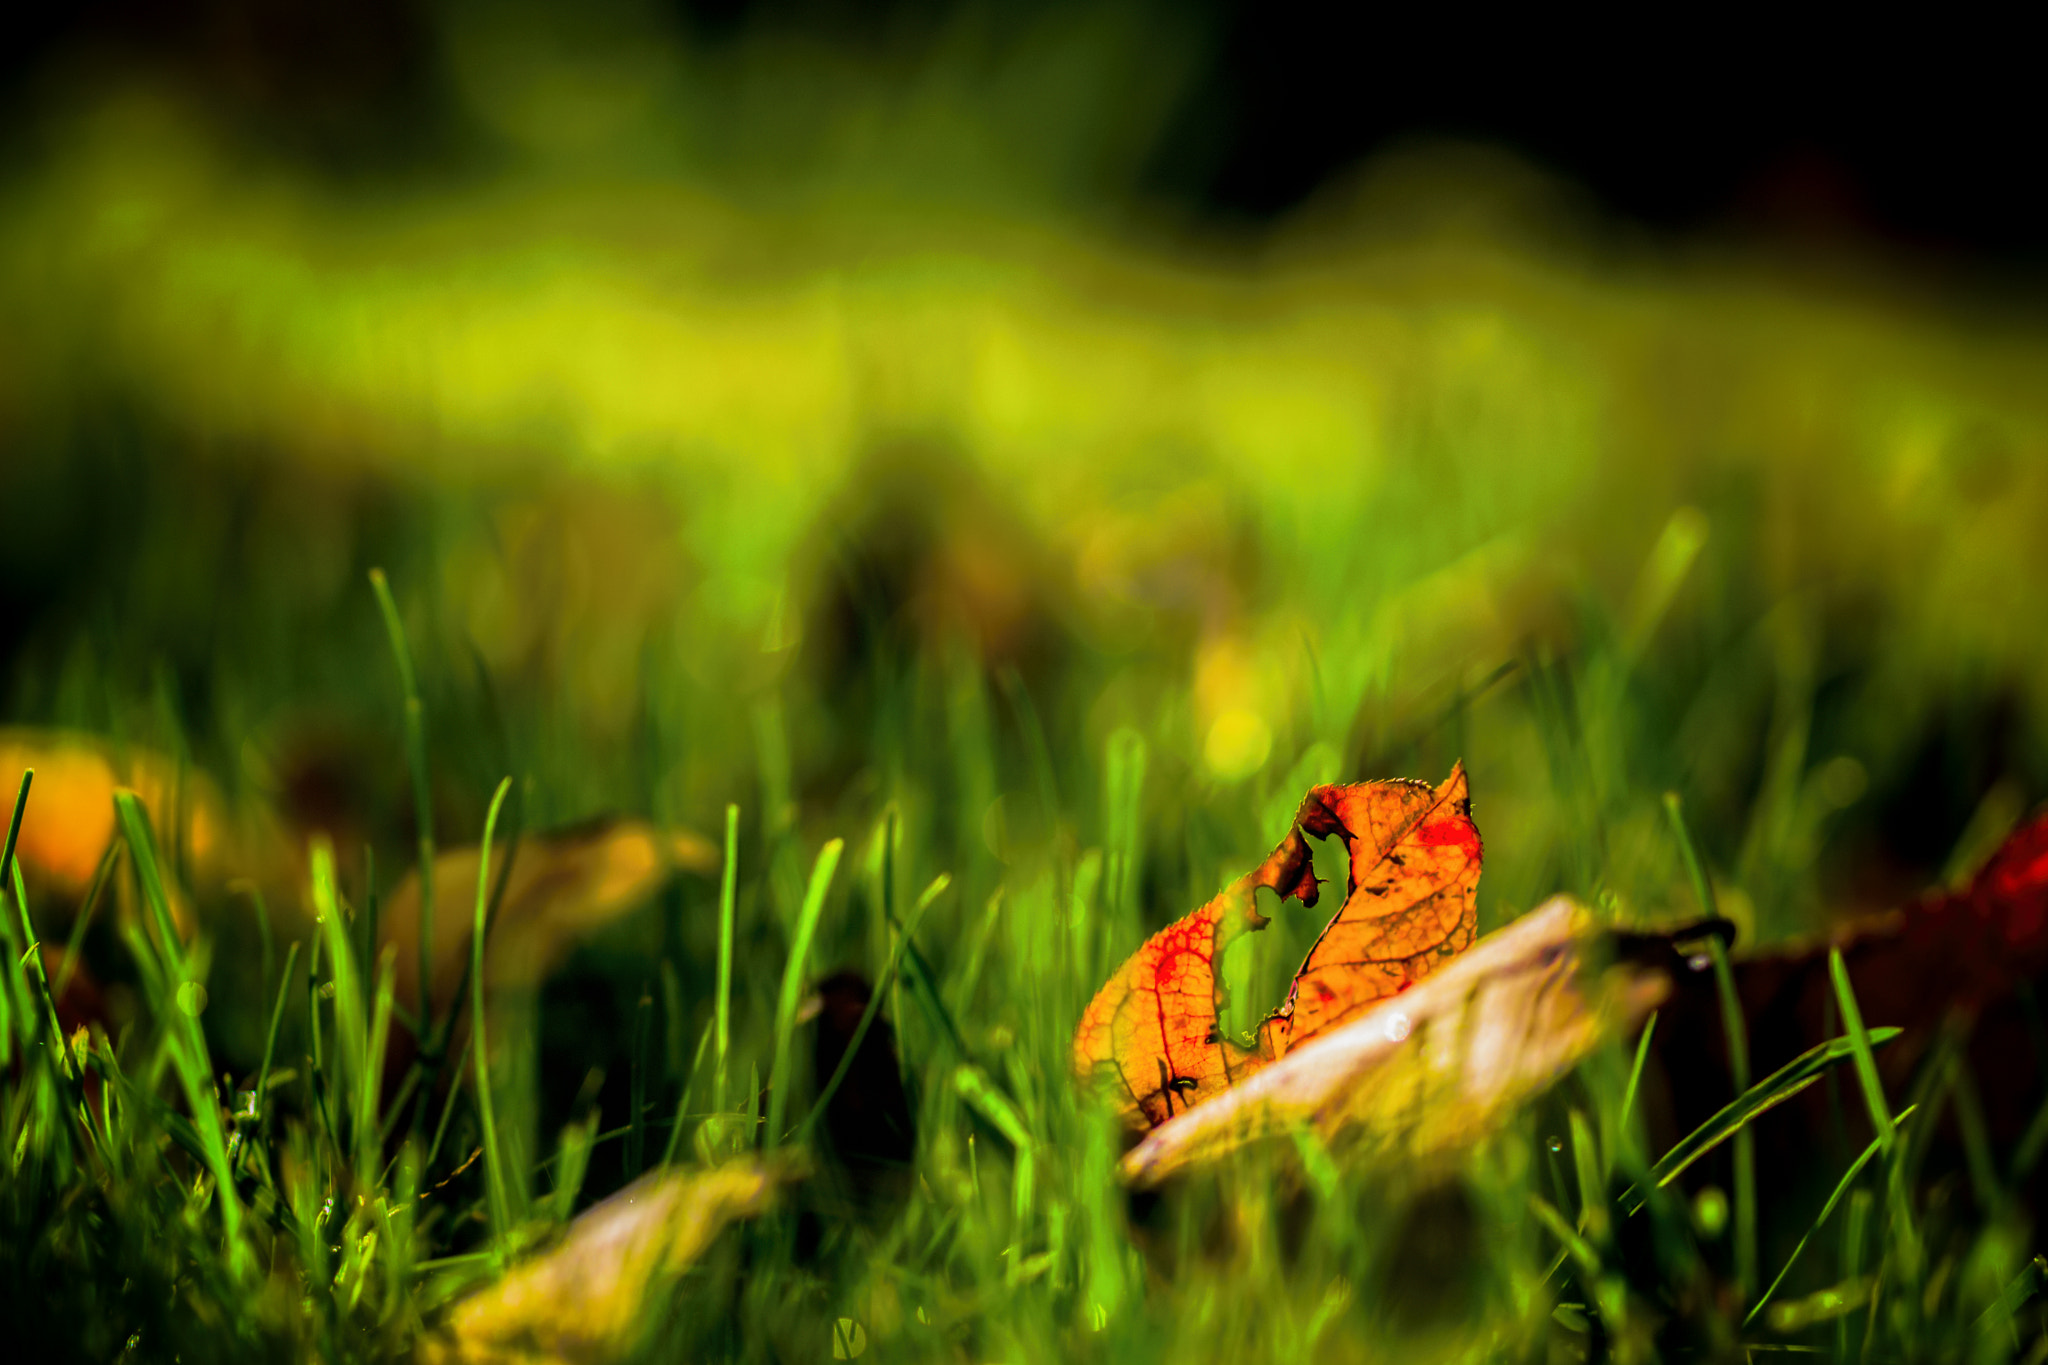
(838, 414)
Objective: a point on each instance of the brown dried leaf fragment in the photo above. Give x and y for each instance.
(1412, 903)
(591, 1297)
(1151, 1033)
(1439, 1067)
(564, 887)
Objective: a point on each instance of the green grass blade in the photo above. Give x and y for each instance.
(1577, 1247)
(184, 1040)
(316, 1053)
(1592, 1188)
(142, 850)
(448, 1103)
(1861, 1040)
(636, 1121)
(291, 960)
(31, 951)
(28, 777)
(368, 953)
(1123, 839)
(369, 1126)
(1841, 1190)
(1766, 1094)
(351, 1028)
(874, 1005)
(728, 885)
(80, 922)
(780, 1077)
(494, 1155)
(435, 1050)
(1635, 1071)
(2022, 1287)
(675, 1132)
(987, 1099)
(1702, 887)
(1736, 1031)
(571, 1165)
(927, 991)
(422, 796)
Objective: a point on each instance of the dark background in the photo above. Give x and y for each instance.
(1918, 133)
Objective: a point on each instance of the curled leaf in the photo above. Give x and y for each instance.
(1412, 902)
(1152, 1035)
(589, 1296)
(1438, 1067)
(1152, 1030)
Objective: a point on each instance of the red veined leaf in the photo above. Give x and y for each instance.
(1152, 1034)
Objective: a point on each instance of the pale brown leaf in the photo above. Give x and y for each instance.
(1438, 1067)
(564, 888)
(588, 1298)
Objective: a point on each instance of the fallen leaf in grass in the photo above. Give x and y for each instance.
(1957, 971)
(590, 1296)
(1984, 940)
(1438, 1067)
(1152, 1036)
(1152, 1031)
(1411, 903)
(70, 819)
(563, 888)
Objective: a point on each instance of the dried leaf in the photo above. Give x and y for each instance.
(1987, 938)
(563, 888)
(1966, 963)
(1151, 1032)
(1439, 1067)
(588, 1297)
(1412, 902)
(70, 820)
(1152, 1035)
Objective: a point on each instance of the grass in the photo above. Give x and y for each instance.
(173, 1212)
(1032, 566)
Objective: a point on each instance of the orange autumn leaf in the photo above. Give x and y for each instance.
(1412, 901)
(1152, 1033)
(1152, 1030)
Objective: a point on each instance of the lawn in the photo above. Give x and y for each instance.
(862, 560)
